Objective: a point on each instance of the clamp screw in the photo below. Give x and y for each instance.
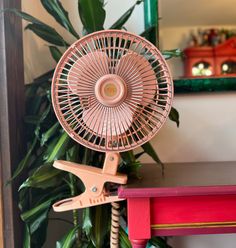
(111, 158)
(94, 189)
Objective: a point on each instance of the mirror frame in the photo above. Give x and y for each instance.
(185, 85)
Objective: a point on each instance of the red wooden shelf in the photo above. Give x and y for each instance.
(215, 57)
(191, 198)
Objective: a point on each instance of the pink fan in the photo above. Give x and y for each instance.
(111, 92)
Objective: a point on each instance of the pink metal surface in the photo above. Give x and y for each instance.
(112, 91)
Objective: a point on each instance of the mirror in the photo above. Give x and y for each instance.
(206, 31)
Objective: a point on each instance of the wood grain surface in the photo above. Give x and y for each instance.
(11, 120)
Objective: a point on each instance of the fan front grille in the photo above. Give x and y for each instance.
(135, 68)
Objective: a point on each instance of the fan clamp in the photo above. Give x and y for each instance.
(101, 185)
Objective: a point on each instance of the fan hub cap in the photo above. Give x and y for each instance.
(110, 90)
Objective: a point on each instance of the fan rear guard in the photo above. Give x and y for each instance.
(112, 91)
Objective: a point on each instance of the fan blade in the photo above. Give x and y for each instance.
(108, 122)
(85, 72)
(137, 71)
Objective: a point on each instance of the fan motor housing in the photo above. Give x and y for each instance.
(111, 90)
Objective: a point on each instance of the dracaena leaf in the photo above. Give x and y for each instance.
(49, 133)
(24, 16)
(174, 116)
(60, 148)
(26, 238)
(42, 79)
(128, 157)
(124, 240)
(69, 239)
(39, 237)
(92, 15)
(159, 242)
(25, 162)
(47, 33)
(168, 54)
(55, 52)
(147, 147)
(87, 223)
(124, 18)
(100, 221)
(37, 215)
(41, 29)
(44, 177)
(56, 10)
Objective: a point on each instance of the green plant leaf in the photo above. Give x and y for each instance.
(56, 10)
(146, 32)
(124, 239)
(138, 155)
(174, 116)
(124, 18)
(24, 16)
(55, 52)
(87, 223)
(130, 164)
(60, 148)
(37, 215)
(168, 54)
(41, 29)
(92, 15)
(39, 237)
(47, 33)
(147, 147)
(69, 239)
(128, 157)
(44, 177)
(25, 161)
(100, 221)
(27, 238)
(49, 148)
(159, 242)
(41, 80)
(49, 133)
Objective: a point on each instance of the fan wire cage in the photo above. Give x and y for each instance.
(112, 91)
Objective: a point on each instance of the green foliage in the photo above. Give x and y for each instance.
(174, 116)
(168, 54)
(124, 240)
(125, 17)
(69, 239)
(56, 10)
(47, 33)
(47, 142)
(159, 242)
(92, 15)
(55, 53)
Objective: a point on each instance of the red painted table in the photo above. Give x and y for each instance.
(196, 198)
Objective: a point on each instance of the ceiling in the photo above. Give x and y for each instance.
(197, 12)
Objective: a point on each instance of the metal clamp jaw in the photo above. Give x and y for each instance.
(94, 180)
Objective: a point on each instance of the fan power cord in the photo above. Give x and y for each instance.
(115, 225)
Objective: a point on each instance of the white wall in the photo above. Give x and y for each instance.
(207, 121)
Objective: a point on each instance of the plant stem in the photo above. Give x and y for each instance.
(73, 190)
